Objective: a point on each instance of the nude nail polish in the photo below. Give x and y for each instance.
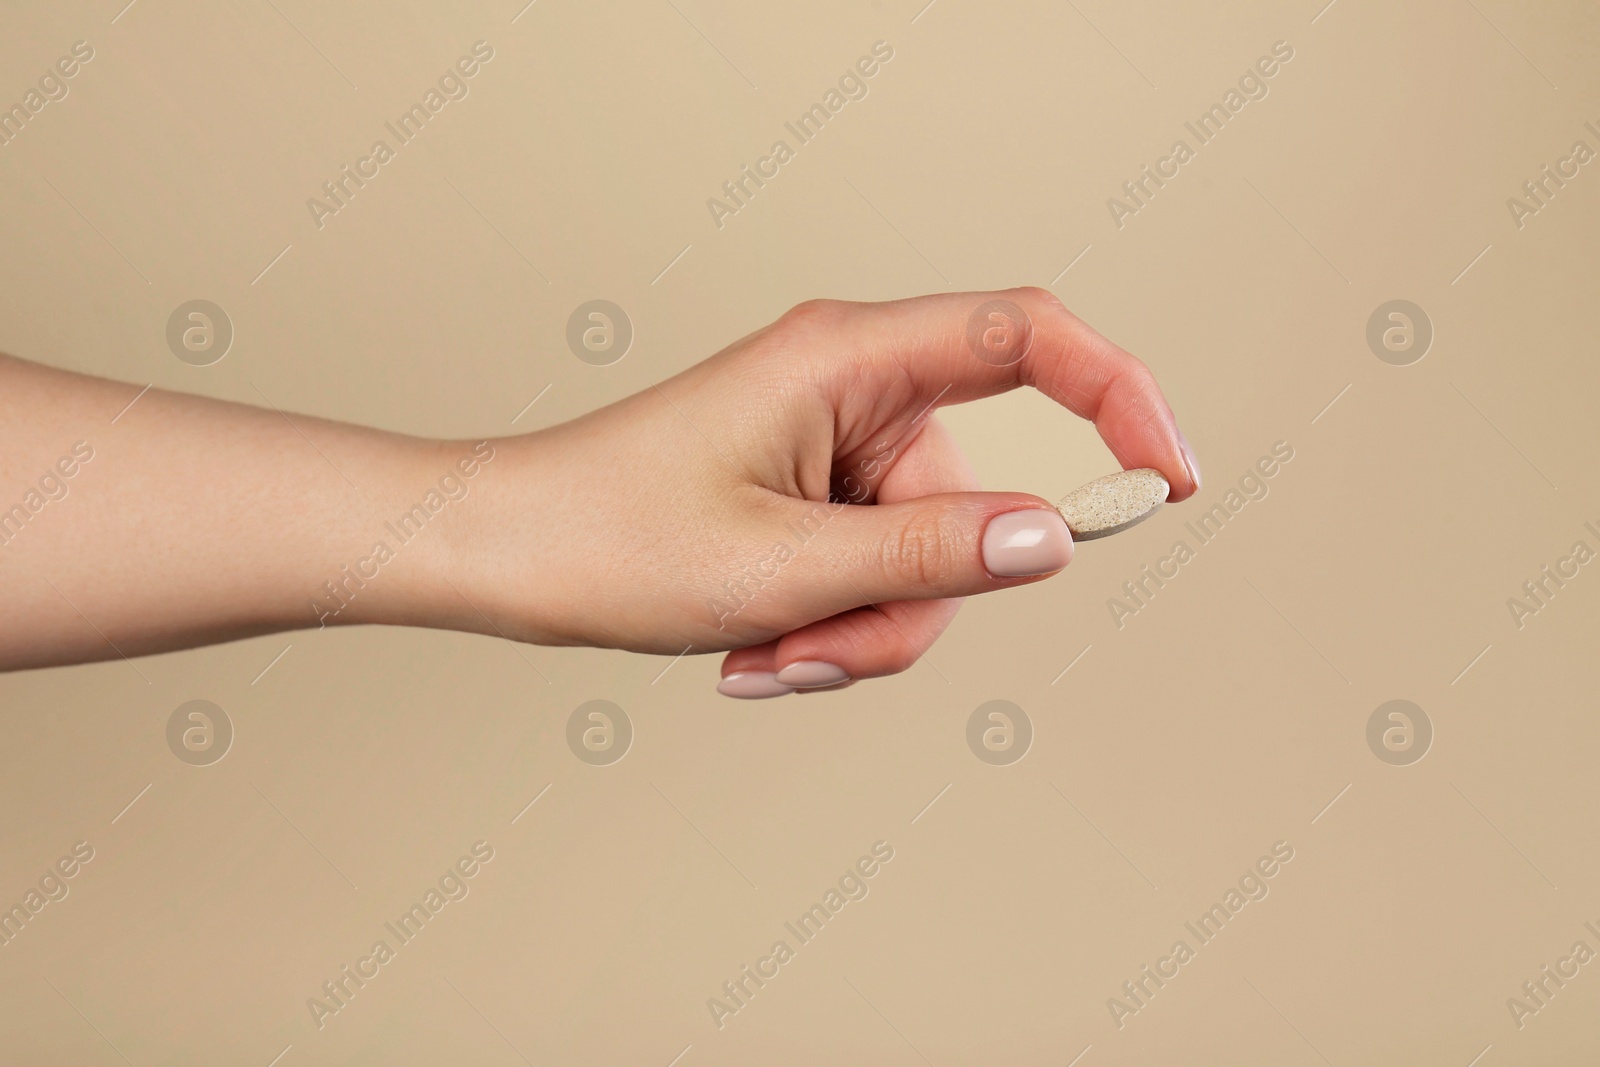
(1018, 544)
(811, 673)
(753, 685)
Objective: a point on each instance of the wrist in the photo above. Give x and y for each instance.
(398, 559)
(485, 501)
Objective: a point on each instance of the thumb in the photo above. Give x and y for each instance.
(942, 546)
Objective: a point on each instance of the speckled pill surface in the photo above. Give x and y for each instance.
(1112, 504)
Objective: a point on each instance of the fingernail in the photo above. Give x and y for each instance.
(811, 673)
(1022, 543)
(826, 688)
(753, 685)
(1189, 462)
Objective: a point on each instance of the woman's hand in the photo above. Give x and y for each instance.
(793, 498)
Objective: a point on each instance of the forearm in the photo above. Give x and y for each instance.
(191, 521)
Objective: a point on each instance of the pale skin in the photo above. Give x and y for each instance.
(650, 525)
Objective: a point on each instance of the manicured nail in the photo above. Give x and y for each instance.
(826, 688)
(753, 685)
(811, 673)
(1189, 462)
(1021, 543)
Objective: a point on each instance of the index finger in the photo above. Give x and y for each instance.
(956, 347)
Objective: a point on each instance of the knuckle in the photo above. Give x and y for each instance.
(813, 314)
(1041, 297)
(1137, 375)
(900, 656)
(1141, 381)
(922, 551)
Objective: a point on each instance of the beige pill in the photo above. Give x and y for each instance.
(1112, 504)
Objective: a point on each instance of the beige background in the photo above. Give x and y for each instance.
(1220, 719)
